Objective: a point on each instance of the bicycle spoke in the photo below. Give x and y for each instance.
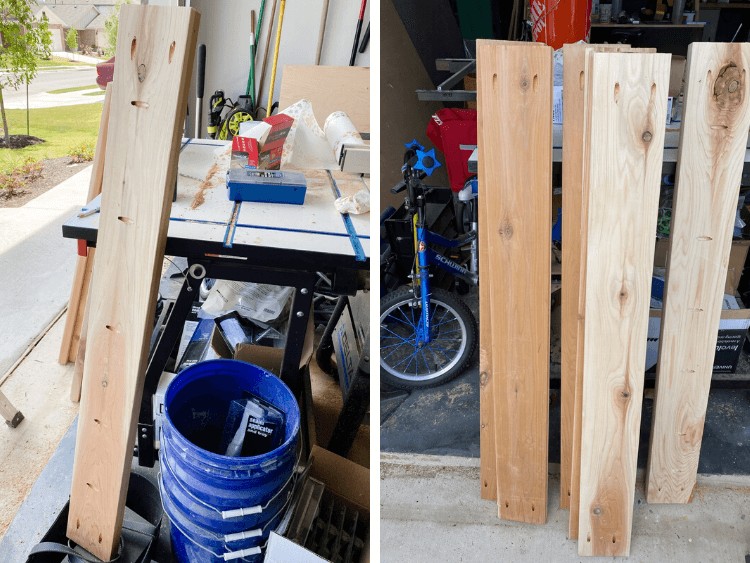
(394, 334)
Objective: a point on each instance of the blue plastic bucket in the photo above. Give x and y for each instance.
(218, 504)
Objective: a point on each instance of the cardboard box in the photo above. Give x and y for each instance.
(347, 481)
(349, 337)
(737, 256)
(267, 357)
(244, 153)
(270, 153)
(735, 320)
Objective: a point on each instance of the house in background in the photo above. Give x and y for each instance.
(87, 17)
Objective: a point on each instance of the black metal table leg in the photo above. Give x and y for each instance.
(299, 317)
(356, 403)
(170, 336)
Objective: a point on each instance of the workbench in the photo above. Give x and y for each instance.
(276, 244)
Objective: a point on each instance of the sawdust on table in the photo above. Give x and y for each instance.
(210, 182)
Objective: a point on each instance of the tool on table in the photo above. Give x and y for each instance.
(321, 36)
(265, 59)
(365, 40)
(269, 103)
(199, 87)
(88, 212)
(358, 31)
(267, 186)
(250, 89)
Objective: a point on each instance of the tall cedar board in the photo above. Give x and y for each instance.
(628, 94)
(514, 129)
(155, 52)
(74, 321)
(716, 118)
(575, 202)
(95, 188)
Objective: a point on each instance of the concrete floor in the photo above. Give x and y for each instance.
(431, 511)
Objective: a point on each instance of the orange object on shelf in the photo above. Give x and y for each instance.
(557, 22)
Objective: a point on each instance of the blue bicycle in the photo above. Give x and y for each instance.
(428, 335)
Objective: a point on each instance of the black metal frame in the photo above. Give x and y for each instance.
(285, 267)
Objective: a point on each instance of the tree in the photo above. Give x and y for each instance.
(22, 41)
(71, 40)
(111, 25)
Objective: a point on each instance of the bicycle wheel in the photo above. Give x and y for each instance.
(408, 364)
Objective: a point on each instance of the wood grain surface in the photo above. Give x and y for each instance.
(715, 122)
(627, 104)
(155, 52)
(514, 90)
(572, 313)
(74, 322)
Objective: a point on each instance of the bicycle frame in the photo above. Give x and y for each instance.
(427, 256)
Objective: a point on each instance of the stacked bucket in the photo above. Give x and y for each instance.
(222, 508)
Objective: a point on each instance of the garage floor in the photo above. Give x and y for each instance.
(430, 482)
(430, 511)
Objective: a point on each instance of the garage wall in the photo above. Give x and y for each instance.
(402, 116)
(224, 29)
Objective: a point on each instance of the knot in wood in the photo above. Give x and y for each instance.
(524, 83)
(597, 511)
(506, 230)
(728, 87)
(647, 136)
(483, 378)
(141, 72)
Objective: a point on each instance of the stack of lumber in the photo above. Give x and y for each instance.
(613, 142)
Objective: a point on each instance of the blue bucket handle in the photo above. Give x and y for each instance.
(239, 512)
(228, 556)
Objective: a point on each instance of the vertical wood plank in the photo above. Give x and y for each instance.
(575, 205)
(78, 291)
(155, 52)
(628, 94)
(487, 456)
(716, 118)
(514, 85)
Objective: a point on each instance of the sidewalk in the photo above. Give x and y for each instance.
(77, 57)
(431, 512)
(36, 264)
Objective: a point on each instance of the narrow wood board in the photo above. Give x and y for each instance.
(77, 302)
(575, 203)
(155, 52)
(329, 88)
(77, 381)
(623, 158)
(95, 188)
(7, 410)
(514, 87)
(487, 456)
(716, 118)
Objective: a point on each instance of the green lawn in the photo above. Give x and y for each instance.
(97, 93)
(58, 61)
(73, 89)
(62, 128)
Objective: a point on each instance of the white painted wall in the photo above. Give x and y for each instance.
(225, 26)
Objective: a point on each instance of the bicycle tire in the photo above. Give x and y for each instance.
(463, 325)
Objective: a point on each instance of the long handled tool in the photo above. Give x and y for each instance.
(265, 56)
(199, 87)
(357, 32)
(250, 89)
(269, 103)
(321, 36)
